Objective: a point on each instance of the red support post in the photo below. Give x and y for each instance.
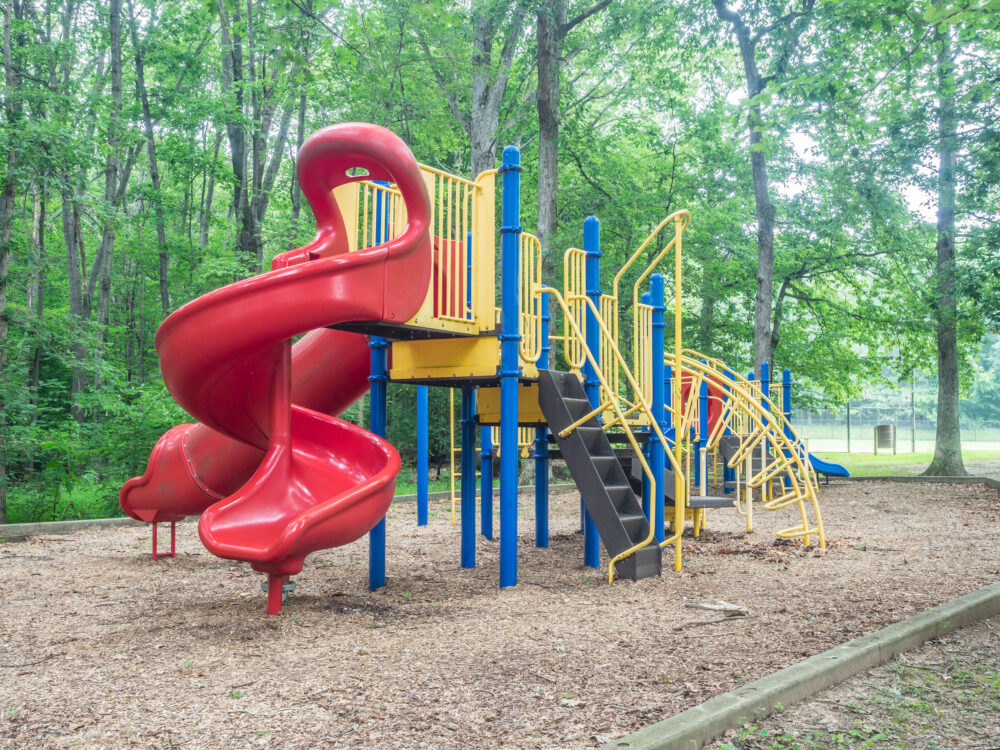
(154, 541)
(275, 590)
(173, 539)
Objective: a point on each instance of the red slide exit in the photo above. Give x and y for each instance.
(273, 475)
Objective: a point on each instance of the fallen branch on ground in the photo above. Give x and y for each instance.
(730, 610)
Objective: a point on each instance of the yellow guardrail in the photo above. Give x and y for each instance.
(457, 299)
(763, 423)
(530, 250)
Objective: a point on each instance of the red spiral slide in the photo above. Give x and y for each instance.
(273, 476)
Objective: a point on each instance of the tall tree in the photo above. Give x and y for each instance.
(13, 109)
(249, 119)
(948, 439)
(786, 30)
(154, 169)
(553, 24)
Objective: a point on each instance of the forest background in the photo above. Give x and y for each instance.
(840, 159)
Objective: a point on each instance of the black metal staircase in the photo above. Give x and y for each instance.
(603, 483)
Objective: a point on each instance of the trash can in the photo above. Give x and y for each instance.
(885, 437)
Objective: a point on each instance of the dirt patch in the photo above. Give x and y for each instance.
(101, 647)
(945, 694)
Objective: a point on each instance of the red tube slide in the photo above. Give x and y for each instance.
(273, 476)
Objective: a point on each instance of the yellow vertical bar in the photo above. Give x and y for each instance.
(439, 233)
(680, 500)
(347, 200)
(484, 240)
(470, 294)
(449, 185)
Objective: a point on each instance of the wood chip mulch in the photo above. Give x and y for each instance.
(102, 648)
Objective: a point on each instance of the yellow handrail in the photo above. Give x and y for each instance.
(530, 279)
(641, 404)
(764, 421)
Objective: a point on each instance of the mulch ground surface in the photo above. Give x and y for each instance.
(100, 647)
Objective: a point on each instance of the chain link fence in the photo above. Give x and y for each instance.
(828, 431)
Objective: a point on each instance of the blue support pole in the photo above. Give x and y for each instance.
(422, 456)
(592, 273)
(486, 482)
(542, 441)
(728, 475)
(765, 391)
(468, 477)
(379, 379)
(786, 408)
(381, 217)
(646, 506)
(646, 502)
(510, 367)
(702, 430)
(657, 449)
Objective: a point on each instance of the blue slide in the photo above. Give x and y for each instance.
(827, 468)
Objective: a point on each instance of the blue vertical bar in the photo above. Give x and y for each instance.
(486, 482)
(657, 449)
(377, 423)
(647, 447)
(765, 394)
(786, 408)
(468, 477)
(381, 218)
(645, 480)
(510, 367)
(542, 441)
(702, 429)
(592, 273)
(422, 456)
(728, 474)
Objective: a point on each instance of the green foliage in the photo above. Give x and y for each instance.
(653, 120)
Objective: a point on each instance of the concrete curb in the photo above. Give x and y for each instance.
(11, 531)
(22, 530)
(988, 481)
(693, 728)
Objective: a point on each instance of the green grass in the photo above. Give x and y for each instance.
(437, 485)
(902, 464)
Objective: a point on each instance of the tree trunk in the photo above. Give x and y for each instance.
(154, 172)
(551, 18)
(71, 236)
(300, 136)
(489, 86)
(764, 209)
(115, 177)
(948, 439)
(13, 114)
(552, 28)
(206, 207)
(36, 292)
(232, 87)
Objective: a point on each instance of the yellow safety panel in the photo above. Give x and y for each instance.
(529, 412)
(445, 359)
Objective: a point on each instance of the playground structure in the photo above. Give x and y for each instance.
(404, 259)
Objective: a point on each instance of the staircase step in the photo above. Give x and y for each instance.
(577, 406)
(643, 564)
(592, 461)
(606, 467)
(636, 525)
